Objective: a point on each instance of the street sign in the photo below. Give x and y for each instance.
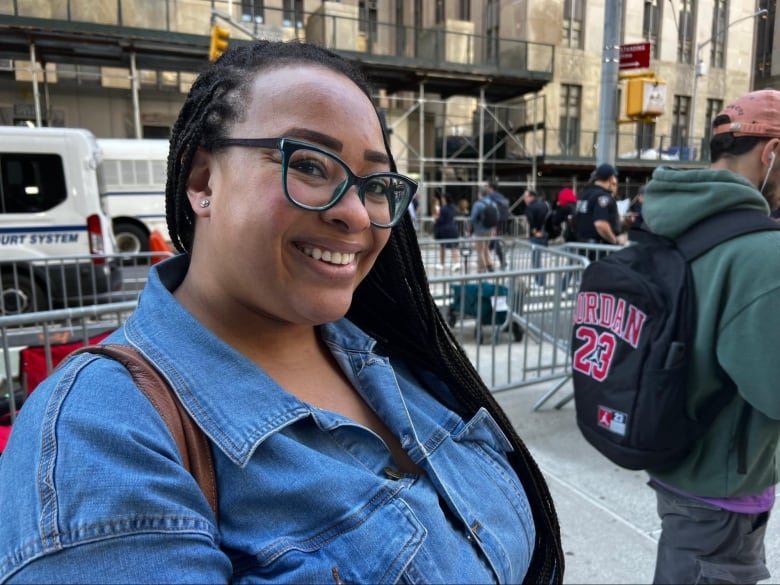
(635, 56)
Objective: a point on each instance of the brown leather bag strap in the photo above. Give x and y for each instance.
(192, 442)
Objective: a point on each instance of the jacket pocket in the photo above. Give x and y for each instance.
(373, 545)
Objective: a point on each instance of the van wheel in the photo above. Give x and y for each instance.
(21, 294)
(130, 238)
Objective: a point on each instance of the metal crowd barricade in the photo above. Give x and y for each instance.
(516, 334)
(57, 282)
(50, 304)
(592, 252)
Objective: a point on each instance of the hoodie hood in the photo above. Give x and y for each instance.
(677, 199)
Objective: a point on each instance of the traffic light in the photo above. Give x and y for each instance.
(219, 42)
(646, 98)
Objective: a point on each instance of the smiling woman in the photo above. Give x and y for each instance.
(297, 329)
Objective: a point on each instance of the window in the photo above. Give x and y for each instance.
(464, 10)
(645, 136)
(440, 13)
(680, 113)
(713, 107)
(368, 17)
(163, 132)
(78, 74)
(418, 14)
(685, 37)
(651, 23)
(720, 13)
(400, 28)
(572, 23)
(569, 139)
(491, 31)
(292, 13)
(31, 182)
(765, 32)
(253, 11)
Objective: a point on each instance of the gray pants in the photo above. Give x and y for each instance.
(701, 543)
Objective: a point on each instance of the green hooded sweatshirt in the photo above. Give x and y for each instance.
(737, 334)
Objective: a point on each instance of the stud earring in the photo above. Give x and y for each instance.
(204, 203)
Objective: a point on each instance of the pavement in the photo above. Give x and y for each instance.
(609, 525)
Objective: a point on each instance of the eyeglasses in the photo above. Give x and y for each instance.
(316, 180)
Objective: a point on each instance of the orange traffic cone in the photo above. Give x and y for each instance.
(157, 243)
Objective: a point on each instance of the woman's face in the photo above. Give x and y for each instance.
(256, 253)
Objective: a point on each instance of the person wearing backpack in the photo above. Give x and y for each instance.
(563, 217)
(714, 504)
(502, 228)
(482, 224)
(537, 211)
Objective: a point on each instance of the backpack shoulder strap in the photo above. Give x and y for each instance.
(190, 440)
(721, 227)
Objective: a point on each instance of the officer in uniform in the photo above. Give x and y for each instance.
(597, 218)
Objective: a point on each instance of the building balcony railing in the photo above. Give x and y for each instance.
(660, 148)
(450, 47)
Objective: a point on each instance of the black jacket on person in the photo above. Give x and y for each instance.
(595, 203)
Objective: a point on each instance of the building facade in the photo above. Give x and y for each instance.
(472, 89)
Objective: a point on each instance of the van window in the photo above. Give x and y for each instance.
(31, 182)
(120, 175)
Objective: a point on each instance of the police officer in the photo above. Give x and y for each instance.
(597, 217)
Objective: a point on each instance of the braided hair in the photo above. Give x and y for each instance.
(397, 284)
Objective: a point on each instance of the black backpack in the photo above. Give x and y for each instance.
(633, 324)
(488, 213)
(553, 229)
(570, 227)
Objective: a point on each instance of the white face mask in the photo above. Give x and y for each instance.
(768, 171)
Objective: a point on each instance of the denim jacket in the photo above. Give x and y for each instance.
(92, 488)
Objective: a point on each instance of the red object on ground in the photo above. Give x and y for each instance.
(32, 369)
(157, 243)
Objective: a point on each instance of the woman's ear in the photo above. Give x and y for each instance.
(198, 189)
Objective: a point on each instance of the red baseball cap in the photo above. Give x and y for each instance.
(754, 114)
(566, 196)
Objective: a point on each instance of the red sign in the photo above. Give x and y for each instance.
(635, 56)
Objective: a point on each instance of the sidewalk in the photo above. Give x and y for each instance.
(609, 525)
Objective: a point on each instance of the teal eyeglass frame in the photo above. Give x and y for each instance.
(287, 146)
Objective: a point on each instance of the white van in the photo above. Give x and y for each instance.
(50, 207)
(131, 178)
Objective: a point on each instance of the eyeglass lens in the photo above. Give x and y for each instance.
(315, 179)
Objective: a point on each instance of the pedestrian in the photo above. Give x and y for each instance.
(502, 228)
(597, 220)
(446, 228)
(714, 505)
(482, 224)
(297, 328)
(536, 212)
(633, 220)
(563, 214)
